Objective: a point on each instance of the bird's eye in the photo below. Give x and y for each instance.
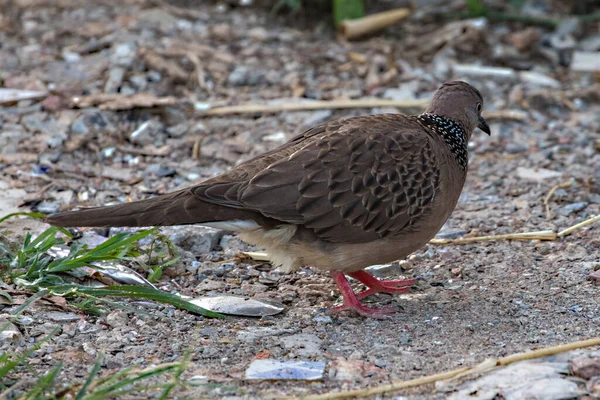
(478, 107)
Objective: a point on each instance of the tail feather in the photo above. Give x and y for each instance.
(178, 208)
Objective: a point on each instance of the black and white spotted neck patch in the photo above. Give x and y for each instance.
(454, 135)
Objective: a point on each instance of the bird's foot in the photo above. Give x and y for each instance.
(377, 286)
(352, 303)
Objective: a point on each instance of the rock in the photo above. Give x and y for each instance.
(593, 386)
(245, 76)
(283, 370)
(351, 370)
(303, 344)
(537, 174)
(537, 79)
(150, 132)
(115, 79)
(406, 91)
(478, 71)
(124, 54)
(595, 277)
(10, 334)
(117, 319)
(571, 208)
(58, 316)
(197, 239)
(585, 367)
(178, 130)
(95, 120)
(161, 170)
(525, 39)
(158, 17)
(585, 61)
(540, 380)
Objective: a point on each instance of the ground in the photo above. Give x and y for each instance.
(472, 302)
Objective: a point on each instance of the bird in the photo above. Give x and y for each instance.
(339, 197)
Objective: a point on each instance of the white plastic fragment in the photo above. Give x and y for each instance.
(285, 370)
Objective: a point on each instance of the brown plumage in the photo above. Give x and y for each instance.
(339, 197)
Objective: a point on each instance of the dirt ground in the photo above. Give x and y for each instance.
(473, 301)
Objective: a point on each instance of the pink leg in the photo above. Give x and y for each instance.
(351, 302)
(376, 286)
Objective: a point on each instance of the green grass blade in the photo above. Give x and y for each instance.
(43, 383)
(25, 214)
(139, 292)
(29, 301)
(97, 365)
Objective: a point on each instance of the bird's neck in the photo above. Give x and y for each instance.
(452, 132)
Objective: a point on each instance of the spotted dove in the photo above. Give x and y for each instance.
(339, 197)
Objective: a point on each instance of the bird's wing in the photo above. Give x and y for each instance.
(352, 181)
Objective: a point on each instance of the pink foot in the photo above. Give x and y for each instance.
(352, 303)
(376, 286)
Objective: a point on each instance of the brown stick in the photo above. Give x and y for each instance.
(354, 28)
(314, 105)
(551, 192)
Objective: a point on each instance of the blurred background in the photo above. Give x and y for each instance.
(106, 101)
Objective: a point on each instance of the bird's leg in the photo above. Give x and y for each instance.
(351, 302)
(376, 286)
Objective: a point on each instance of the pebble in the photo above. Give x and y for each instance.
(595, 277)
(197, 239)
(537, 174)
(58, 316)
(585, 367)
(571, 208)
(149, 132)
(245, 76)
(524, 380)
(303, 344)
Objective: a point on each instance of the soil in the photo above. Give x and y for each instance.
(472, 302)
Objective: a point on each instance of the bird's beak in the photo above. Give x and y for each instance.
(483, 125)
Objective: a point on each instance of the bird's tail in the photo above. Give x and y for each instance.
(177, 208)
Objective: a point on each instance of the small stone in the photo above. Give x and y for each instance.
(161, 170)
(537, 79)
(150, 132)
(537, 174)
(303, 344)
(57, 316)
(197, 239)
(456, 271)
(351, 370)
(178, 130)
(115, 79)
(117, 319)
(585, 367)
(323, 319)
(525, 39)
(595, 277)
(571, 208)
(593, 386)
(10, 334)
(244, 76)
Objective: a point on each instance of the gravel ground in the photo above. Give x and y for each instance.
(474, 301)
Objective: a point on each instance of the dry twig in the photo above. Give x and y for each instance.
(314, 105)
(561, 185)
(485, 366)
(355, 28)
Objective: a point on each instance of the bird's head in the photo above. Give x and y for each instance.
(462, 103)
